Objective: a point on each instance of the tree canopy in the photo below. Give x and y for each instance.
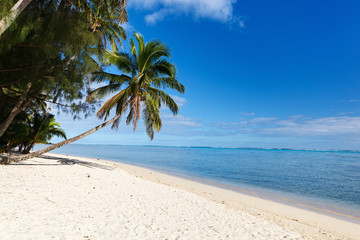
(51, 46)
(146, 71)
(54, 50)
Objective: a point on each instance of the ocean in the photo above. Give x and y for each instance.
(317, 180)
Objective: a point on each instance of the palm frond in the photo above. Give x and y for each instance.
(146, 69)
(163, 68)
(134, 113)
(101, 92)
(100, 77)
(153, 110)
(165, 98)
(141, 44)
(133, 49)
(168, 82)
(122, 61)
(105, 109)
(153, 52)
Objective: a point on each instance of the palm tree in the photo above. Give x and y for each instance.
(105, 20)
(42, 129)
(146, 71)
(31, 128)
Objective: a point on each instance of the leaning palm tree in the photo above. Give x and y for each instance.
(146, 70)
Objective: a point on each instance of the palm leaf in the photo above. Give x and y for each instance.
(168, 82)
(165, 98)
(146, 69)
(101, 92)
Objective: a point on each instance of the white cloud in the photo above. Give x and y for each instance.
(345, 113)
(158, 16)
(261, 120)
(219, 10)
(128, 27)
(319, 127)
(247, 113)
(172, 121)
(297, 126)
(179, 100)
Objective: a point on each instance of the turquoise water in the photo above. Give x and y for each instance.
(325, 179)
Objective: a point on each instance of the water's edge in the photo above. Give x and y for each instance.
(325, 209)
(278, 197)
(254, 170)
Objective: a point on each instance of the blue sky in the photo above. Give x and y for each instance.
(257, 73)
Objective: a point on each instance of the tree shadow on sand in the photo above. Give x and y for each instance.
(55, 161)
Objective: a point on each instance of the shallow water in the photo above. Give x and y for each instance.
(324, 179)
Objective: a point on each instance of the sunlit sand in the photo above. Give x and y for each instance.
(66, 197)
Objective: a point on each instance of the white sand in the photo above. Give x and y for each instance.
(65, 197)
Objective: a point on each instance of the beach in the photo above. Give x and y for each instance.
(66, 197)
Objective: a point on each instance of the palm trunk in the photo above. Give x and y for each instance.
(14, 13)
(7, 160)
(18, 107)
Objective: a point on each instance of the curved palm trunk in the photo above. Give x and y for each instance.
(7, 160)
(18, 108)
(15, 12)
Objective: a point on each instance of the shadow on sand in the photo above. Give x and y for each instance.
(55, 161)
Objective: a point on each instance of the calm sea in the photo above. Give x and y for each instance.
(325, 181)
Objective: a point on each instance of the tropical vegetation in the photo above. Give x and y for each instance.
(52, 53)
(31, 130)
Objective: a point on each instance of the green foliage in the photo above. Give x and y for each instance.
(146, 70)
(99, 14)
(42, 129)
(5, 7)
(28, 130)
(52, 44)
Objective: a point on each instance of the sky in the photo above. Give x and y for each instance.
(258, 73)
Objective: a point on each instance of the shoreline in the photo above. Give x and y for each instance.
(310, 225)
(236, 199)
(305, 204)
(341, 212)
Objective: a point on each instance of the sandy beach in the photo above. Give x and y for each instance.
(66, 197)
